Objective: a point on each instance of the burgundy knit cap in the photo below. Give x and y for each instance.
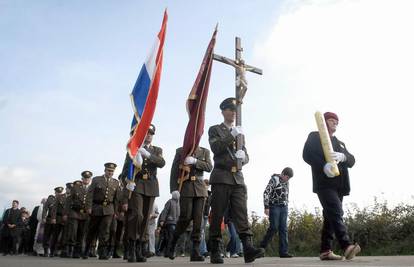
(330, 115)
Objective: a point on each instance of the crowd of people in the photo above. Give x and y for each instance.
(106, 217)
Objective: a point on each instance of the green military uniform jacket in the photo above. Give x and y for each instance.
(223, 145)
(146, 182)
(58, 209)
(103, 195)
(194, 186)
(76, 203)
(47, 208)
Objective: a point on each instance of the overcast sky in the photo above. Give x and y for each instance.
(67, 69)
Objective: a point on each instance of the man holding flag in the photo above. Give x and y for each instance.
(138, 207)
(191, 161)
(143, 159)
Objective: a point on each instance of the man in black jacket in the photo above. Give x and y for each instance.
(331, 189)
(11, 219)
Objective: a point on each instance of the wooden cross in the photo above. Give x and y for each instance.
(241, 87)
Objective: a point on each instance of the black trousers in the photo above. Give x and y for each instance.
(191, 209)
(223, 195)
(333, 222)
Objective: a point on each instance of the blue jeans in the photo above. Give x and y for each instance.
(278, 222)
(234, 243)
(203, 245)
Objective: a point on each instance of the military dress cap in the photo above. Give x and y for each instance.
(228, 103)
(110, 166)
(59, 189)
(86, 174)
(77, 182)
(69, 185)
(151, 129)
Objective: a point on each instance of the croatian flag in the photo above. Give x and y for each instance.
(144, 96)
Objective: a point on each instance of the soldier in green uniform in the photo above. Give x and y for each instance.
(192, 197)
(57, 219)
(227, 184)
(101, 200)
(47, 220)
(138, 207)
(77, 215)
(63, 243)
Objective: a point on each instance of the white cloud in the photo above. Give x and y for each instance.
(351, 57)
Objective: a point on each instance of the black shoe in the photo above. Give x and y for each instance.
(170, 251)
(287, 255)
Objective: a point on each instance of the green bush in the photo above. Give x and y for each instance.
(379, 229)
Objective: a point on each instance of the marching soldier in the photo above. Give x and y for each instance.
(57, 219)
(101, 200)
(77, 215)
(47, 220)
(228, 187)
(138, 207)
(192, 197)
(64, 238)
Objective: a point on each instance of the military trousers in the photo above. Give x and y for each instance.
(99, 225)
(47, 234)
(223, 195)
(137, 216)
(191, 209)
(76, 232)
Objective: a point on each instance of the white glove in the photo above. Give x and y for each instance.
(130, 186)
(235, 131)
(139, 159)
(327, 169)
(190, 160)
(240, 154)
(338, 156)
(144, 152)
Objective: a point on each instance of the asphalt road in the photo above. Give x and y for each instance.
(31, 261)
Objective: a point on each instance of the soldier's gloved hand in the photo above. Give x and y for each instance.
(235, 131)
(138, 158)
(53, 221)
(65, 218)
(144, 152)
(190, 160)
(328, 170)
(338, 156)
(240, 154)
(130, 186)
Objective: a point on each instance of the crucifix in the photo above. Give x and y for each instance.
(241, 87)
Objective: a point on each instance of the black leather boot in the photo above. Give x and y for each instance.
(138, 252)
(195, 252)
(115, 254)
(85, 254)
(76, 252)
(250, 252)
(131, 251)
(46, 252)
(103, 253)
(215, 256)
